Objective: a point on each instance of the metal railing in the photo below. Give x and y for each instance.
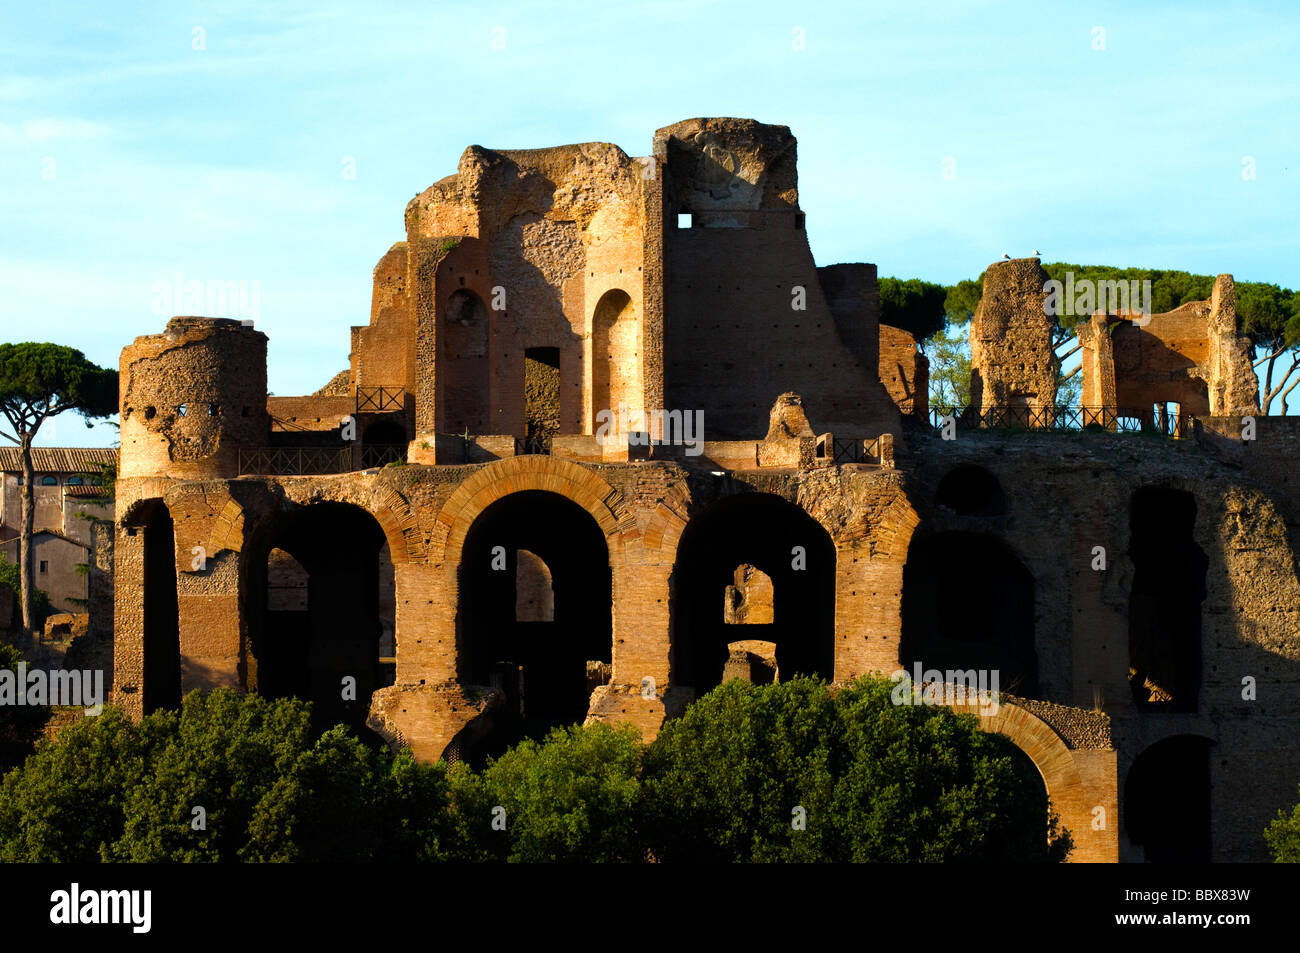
(537, 443)
(382, 454)
(294, 461)
(847, 450)
(380, 399)
(1111, 419)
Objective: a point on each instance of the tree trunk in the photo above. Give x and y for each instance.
(25, 554)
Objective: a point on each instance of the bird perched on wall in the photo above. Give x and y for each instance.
(1006, 257)
(1037, 253)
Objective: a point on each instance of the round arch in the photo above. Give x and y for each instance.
(500, 478)
(615, 346)
(790, 547)
(317, 574)
(1074, 800)
(239, 527)
(1167, 800)
(534, 613)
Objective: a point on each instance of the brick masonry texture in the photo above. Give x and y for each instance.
(578, 250)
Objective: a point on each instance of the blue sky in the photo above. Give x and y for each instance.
(128, 155)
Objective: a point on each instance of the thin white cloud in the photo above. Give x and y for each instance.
(52, 128)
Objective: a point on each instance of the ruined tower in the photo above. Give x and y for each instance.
(191, 397)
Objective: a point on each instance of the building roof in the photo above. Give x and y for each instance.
(58, 459)
(51, 533)
(87, 489)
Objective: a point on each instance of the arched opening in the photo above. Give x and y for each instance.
(1165, 601)
(1167, 801)
(616, 365)
(323, 631)
(464, 370)
(383, 442)
(968, 603)
(776, 538)
(535, 610)
(969, 490)
(162, 639)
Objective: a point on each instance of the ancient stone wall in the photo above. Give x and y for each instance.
(853, 296)
(383, 352)
(1083, 499)
(1010, 339)
(745, 315)
(1159, 362)
(905, 372)
(543, 240)
(1098, 363)
(191, 398)
(571, 259)
(1192, 356)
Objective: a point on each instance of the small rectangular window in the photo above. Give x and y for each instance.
(798, 221)
(683, 219)
(45, 565)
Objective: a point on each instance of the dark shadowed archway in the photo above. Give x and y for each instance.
(534, 610)
(796, 556)
(969, 490)
(320, 623)
(162, 641)
(1167, 801)
(1165, 601)
(968, 603)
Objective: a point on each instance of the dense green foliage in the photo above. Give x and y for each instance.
(749, 773)
(1283, 836)
(574, 797)
(20, 725)
(949, 356)
(790, 772)
(913, 305)
(111, 790)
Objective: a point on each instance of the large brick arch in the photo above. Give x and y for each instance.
(1037, 740)
(1075, 794)
(242, 526)
(513, 475)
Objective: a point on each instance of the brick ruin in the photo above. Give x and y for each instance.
(442, 544)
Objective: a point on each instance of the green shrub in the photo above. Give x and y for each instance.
(1283, 837)
(68, 801)
(574, 797)
(789, 772)
(724, 780)
(20, 725)
(269, 790)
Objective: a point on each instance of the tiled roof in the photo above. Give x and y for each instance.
(58, 459)
(85, 490)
